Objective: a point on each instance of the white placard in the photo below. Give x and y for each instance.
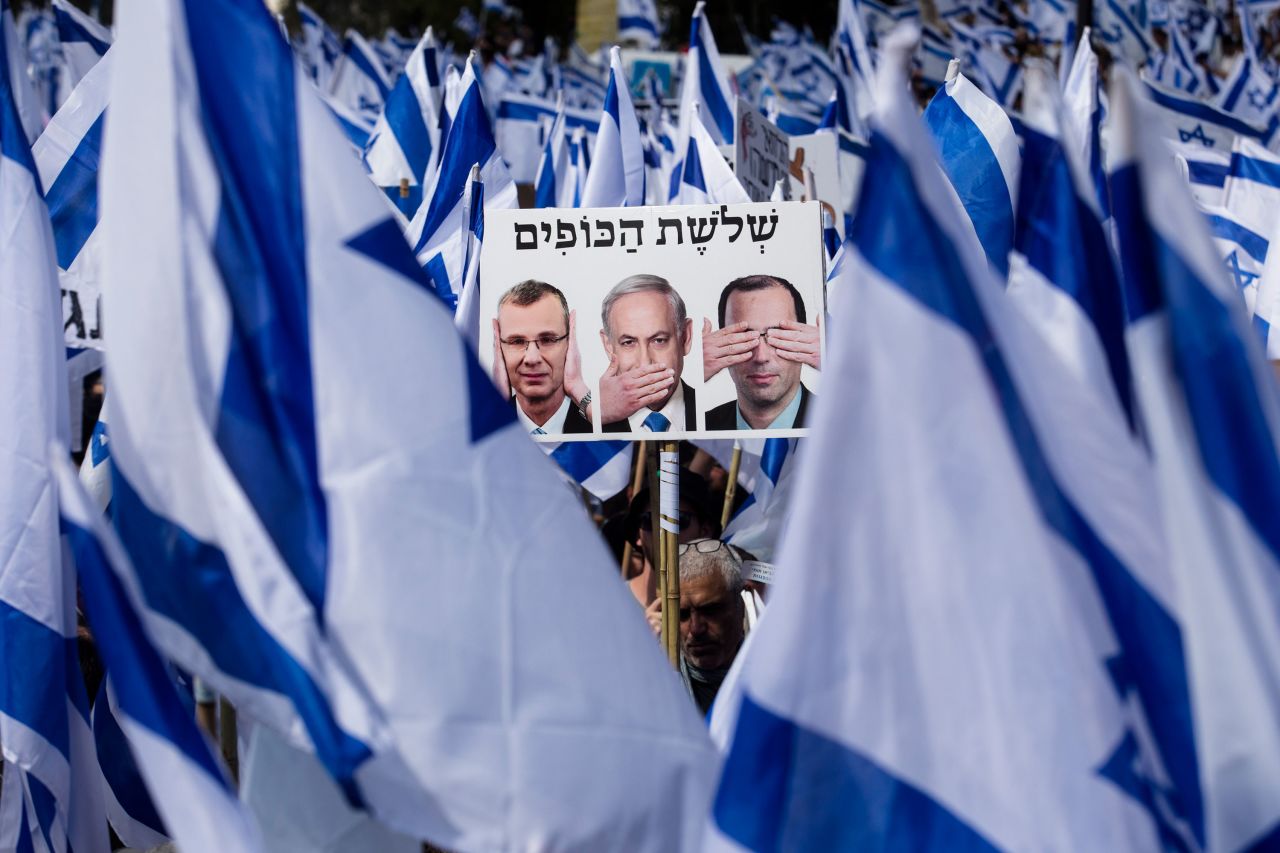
(762, 153)
(701, 252)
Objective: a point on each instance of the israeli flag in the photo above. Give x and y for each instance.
(279, 485)
(130, 809)
(84, 40)
(638, 23)
(467, 318)
(360, 81)
(321, 47)
(1208, 402)
(1084, 113)
(66, 155)
(95, 468)
(856, 63)
(705, 96)
(553, 187)
(1249, 92)
(1189, 120)
(521, 129)
(408, 131)
(1061, 271)
(617, 178)
(579, 166)
(944, 623)
(980, 156)
(1176, 68)
(356, 126)
(1244, 252)
(1251, 190)
(437, 231)
(1204, 169)
(702, 176)
(603, 468)
(22, 92)
(766, 471)
(52, 797)
(187, 782)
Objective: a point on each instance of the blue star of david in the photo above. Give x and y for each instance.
(1257, 97)
(1243, 277)
(98, 444)
(1198, 134)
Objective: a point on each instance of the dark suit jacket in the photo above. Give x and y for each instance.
(726, 416)
(690, 413)
(574, 422)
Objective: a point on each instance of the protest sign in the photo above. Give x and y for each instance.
(81, 311)
(818, 152)
(756, 268)
(762, 155)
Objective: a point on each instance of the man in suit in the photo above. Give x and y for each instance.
(763, 340)
(531, 337)
(646, 334)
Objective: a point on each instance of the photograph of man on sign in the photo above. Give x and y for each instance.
(764, 341)
(646, 333)
(532, 346)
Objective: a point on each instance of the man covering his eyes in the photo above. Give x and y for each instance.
(646, 334)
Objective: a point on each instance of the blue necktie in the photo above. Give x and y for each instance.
(538, 431)
(657, 422)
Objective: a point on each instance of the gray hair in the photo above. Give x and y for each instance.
(725, 560)
(528, 292)
(644, 283)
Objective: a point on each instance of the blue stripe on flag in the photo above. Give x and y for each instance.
(36, 695)
(404, 117)
(1206, 173)
(356, 55)
(1253, 169)
(1203, 112)
(190, 583)
(911, 250)
(144, 691)
(721, 112)
(691, 174)
(73, 196)
(470, 142)
(119, 768)
(582, 459)
(1254, 244)
(636, 22)
(70, 31)
(1141, 285)
(777, 769)
(981, 184)
(46, 807)
(266, 419)
(13, 139)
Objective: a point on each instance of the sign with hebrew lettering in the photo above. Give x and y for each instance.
(690, 321)
(762, 153)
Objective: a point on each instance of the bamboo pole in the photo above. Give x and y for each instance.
(731, 488)
(669, 461)
(637, 481)
(655, 557)
(404, 188)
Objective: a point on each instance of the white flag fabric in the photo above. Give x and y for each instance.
(187, 782)
(702, 176)
(1081, 96)
(1190, 120)
(553, 187)
(321, 47)
(408, 131)
(21, 91)
(617, 176)
(67, 155)
(767, 471)
(980, 156)
(923, 624)
(638, 22)
(360, 80)
(52, 797)
(1244, 253)
(389, 563)
(84, 40)
(1061, 273)
(1208, 402)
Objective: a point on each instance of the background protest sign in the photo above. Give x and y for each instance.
(762, 154)
(81, 311)
(696, 251)
(819, 154)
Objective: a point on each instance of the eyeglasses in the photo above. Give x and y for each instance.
(646, 521)
(542, 342)
(706, 546)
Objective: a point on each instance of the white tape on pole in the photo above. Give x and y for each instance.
(669, 490)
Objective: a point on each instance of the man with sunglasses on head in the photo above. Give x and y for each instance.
(712, 614)
(531, 349)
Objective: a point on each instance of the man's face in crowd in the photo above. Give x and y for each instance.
(644, 332)
(536, 372)
(765, 378)
(710, 622)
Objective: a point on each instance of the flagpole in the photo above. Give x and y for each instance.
(657, 558)
(669, 477)
(227, 740)
(731, 488)
(637, 480)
